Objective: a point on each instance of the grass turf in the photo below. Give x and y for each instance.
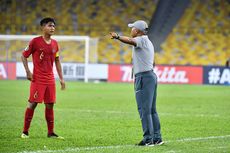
(105, 114)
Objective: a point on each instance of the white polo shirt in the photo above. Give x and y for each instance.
(143, 54)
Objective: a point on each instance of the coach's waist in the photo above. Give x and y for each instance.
(143, 73)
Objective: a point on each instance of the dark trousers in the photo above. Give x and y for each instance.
(146, 93)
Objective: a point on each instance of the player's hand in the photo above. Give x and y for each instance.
(114, 35)
(62, 82)
(29, 76)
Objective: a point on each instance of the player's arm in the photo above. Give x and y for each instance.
(26, 53)
(123, 39)
(29, 75)
(59, 71)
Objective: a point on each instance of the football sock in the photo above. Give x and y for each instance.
(49, 114)
(27, 120)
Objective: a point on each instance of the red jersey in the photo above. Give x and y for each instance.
(43, 56)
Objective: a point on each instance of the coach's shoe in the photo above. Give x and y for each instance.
(53, 135)
(151, 143)
(25, 135)
(158, 142)
(141, 143)
(144, 143)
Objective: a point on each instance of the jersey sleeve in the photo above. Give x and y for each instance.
(29, 49)
(138, 41)
(57, 52)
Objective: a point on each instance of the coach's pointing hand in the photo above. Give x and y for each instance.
(114, 35)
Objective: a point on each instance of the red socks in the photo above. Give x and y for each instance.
(49, 114)
(27, 120)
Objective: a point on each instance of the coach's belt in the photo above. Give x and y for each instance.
(142, 73)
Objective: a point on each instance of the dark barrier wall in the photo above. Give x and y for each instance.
(216, 75)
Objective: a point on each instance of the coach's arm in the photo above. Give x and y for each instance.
(123, 39)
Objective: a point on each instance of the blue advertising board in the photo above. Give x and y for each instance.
(216, 75)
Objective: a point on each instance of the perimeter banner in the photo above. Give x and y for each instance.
(7, 71)
(216, 75)
(166, 74)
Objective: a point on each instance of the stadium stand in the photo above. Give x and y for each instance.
(95, 18)
(201, 37)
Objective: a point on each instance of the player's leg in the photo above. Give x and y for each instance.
(49, 115)
(36, 96)
(27, 119)
(50, 99)
(156, 122)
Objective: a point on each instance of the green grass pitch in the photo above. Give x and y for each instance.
(103, 118)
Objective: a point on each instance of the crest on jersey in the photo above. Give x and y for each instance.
(53, 51)
(27, 48)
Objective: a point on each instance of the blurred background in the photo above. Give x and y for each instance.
(184, 32)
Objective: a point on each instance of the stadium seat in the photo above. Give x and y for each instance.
(201, 36)
(93, 18)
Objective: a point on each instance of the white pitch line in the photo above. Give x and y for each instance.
(77, 149)
(161, 114)
(194, 115)
(99, 111)
(201, 138)
(219, 147)
(172, 151)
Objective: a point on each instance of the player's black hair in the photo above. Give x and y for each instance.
(47, 20)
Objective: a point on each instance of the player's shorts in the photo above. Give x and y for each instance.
(42, 92)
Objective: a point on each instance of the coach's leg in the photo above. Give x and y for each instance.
(137, 89)
(49, 115)
(144, 102)
(155, 118)
(28, 116)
